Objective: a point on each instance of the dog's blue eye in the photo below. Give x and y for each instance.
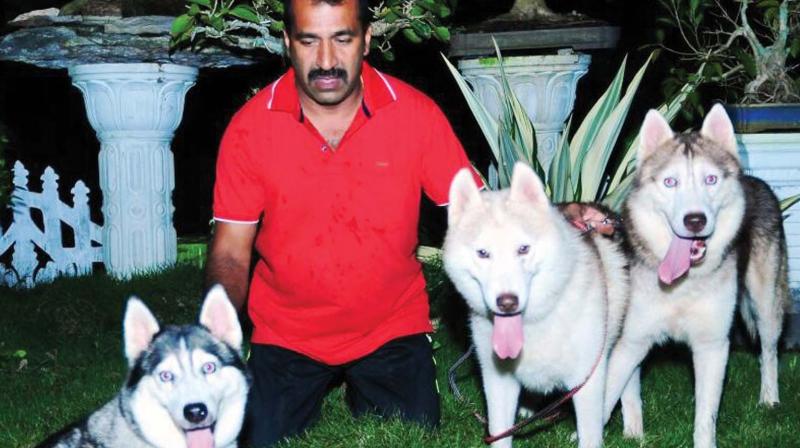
(711, 179)
(524, 249)
(209, 368)
(166, 376)
(670, 182)
(483, 253)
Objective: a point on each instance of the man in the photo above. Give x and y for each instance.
(331, 159)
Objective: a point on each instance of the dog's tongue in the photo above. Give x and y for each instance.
(507, 336)
(200, 438)
(677, 261)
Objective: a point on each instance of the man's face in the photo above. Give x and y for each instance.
(326, 47)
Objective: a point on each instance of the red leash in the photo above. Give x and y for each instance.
(550, 412)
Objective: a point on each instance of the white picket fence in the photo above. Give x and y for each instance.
(27, 268)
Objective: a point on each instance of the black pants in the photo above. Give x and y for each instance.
(398, 379)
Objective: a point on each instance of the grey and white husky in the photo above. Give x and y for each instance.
(546, 301)
(703, 235)
(186, 387)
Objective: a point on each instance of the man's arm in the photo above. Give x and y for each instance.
(591, 216)
(229, 258)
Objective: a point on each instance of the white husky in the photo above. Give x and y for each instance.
(546, 301)
(700, 231)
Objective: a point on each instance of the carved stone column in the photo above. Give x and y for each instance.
(135, 109)
(545, 85)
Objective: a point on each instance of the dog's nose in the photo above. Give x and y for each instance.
(195, 412)
(695, 222)
(507, 303)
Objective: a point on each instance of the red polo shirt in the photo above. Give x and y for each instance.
(337, 276)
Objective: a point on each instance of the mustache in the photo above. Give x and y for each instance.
(331, 73)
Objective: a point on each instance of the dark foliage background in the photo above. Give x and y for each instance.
(47, 125)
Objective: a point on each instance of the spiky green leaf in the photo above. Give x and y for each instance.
(594, 165)
(517, 117)
(486, 122)
(786, 203)
(668, 110)
(591, 124)
(614, 199)
(493, 177)
(559, 178)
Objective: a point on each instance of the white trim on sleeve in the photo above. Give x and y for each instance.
(233, 221)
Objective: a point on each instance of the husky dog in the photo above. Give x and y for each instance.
(546, 300)
(186, 387)
(701, 232)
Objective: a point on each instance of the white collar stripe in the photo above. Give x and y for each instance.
(388, 86)
(272, 91)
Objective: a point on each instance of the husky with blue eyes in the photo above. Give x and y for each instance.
(186, 385)
(703, 236)
(546, 299)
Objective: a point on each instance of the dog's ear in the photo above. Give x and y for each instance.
(526, 187)
(655, 131)
(139, 327)
(717, 126)
(463, 194)
(219, 316)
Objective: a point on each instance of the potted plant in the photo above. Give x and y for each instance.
(258, 24)
(750, 51)
(581, 169)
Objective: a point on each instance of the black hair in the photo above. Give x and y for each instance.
(364, 15)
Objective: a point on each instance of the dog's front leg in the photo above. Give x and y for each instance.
(624, 360)
(632, 415)
(501, 389)
(766, 296)
(588, 404)
(710, 359)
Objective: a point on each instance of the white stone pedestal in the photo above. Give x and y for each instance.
(135, 109)
(775, 158)
(545, 85)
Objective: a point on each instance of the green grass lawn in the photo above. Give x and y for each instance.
(61, 356)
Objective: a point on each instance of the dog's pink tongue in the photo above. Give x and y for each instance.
(507, 336)
(200, 438)
(677, 261)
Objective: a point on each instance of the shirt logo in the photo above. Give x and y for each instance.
(382, 164)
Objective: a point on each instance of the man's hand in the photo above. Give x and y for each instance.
(229, 260)
(589, 217)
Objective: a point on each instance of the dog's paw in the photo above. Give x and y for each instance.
(525, 412)
(633, 429)
(769, 397)
(769, 403)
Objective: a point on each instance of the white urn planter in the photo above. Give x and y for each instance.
(545, 85)
(135, 109)
(775, 158)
